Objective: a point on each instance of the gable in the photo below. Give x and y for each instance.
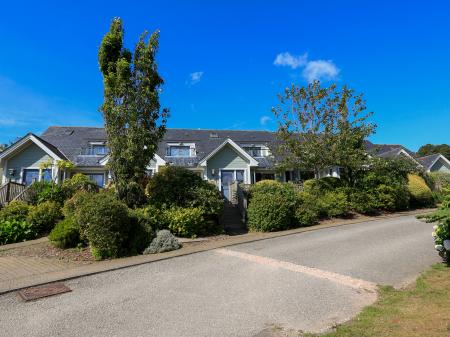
(228, 158)
(440, 166)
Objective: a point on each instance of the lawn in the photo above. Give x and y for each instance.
(423, 309)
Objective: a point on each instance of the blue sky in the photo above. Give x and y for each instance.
(224, 62)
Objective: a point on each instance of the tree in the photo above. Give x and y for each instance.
(320, 127)
(133, 117)
(427, 149)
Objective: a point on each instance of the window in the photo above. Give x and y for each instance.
(149, 173)
(253, 151)
(240, 176)
(179, 151)
(47, 175)
(97, 150)
(30, 176)
(98, 178)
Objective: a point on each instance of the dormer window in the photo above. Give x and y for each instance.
(97, 149)
(181, 150)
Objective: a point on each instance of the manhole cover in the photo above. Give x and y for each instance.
(34, 293)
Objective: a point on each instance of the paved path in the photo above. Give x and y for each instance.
(307, 281)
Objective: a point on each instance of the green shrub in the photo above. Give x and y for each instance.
(441, 180)
(104, 222)
(307, 210)
(391, 198)
(172, 186)
(186, 222)
(421, 195)
(44, 216)
(208, 198)
(176, 186)
(334, 204)
(78, 182)
(272, 206)
(139, 233)
(363, 202)
(132, 194)
(14, 230)
(47, 191)
(14, 211)
(66, 234)
(74, 202)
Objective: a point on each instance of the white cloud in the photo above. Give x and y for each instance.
(264, 120)
(195, 77)
(320, 70)
(289, 60)
(312, 70)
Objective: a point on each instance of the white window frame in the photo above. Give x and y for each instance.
(192, 152)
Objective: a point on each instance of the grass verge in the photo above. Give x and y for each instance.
(420, 310)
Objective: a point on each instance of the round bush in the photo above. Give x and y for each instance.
(363, 202)
(74, 202)
(271, 207)
(391, 197)
(208, 198)
(15, 210)
(186, 222)
(164, 242)
(421, 195)
(44, 216)
(104, 222)
(307, 211)
(66, 234)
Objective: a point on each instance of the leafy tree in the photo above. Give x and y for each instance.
(134, 120)
(427, 149)
(320, 127)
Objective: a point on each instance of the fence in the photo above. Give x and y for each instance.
(14, 191)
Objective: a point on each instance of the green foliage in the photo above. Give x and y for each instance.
(363, 202)
(75, 202)
(332, 123)
(47, 191)
(334, 204)
(441, 180)
(66, 234)
(133, 117)
(421, 195)
(307, 210)
(176, 186)
(139, 233)
(14, 211)
(104, 222)
(44, 216)
(78, 182)
(427, 149)
(186, 222)
(272, 206)
(14, 230)
(151, 216)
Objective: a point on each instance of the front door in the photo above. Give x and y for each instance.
(227, 178)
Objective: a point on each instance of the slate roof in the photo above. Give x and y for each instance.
(427, 161)
(72, 142)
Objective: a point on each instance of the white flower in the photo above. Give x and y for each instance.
(433, 234)
(435, 227)
(439, 248)
(447, 244)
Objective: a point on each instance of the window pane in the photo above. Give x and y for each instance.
(98, 178)
(240, 176)
(47, 175)
(30, 176)
(179, 151)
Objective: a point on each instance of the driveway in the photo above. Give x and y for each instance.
(301, 282)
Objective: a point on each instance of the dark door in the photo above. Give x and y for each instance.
(227, 178)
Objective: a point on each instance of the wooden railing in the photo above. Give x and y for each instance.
(14, 191)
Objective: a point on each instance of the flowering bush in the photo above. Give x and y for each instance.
(441, 231)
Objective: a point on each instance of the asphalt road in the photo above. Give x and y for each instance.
(306, 281)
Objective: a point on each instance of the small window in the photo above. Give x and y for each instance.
(149, 173)
(179, 151)
(253, 151)
(47, 175)
(330, 172)
(97, 150)
(240, 176)
(98, 178)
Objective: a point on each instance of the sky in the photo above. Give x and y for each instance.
(225, 62)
